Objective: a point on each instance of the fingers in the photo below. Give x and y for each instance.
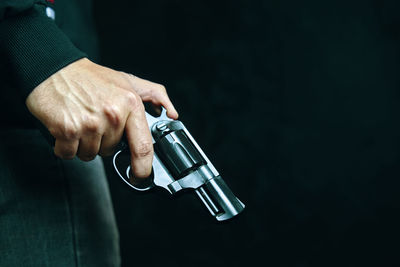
(116, 121)
(66, 149)
(160, 97)
(89, 146)
(86, 148)
(140, 143)
(108, 117)
(154, 93)
(109, 143)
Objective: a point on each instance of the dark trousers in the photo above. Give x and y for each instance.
(53, 212)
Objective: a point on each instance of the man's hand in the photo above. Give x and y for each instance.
(87, 108)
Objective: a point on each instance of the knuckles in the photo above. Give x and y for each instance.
(132, 99)
(91, 125)
(142, 150)
(161, 88)
(66, 131)
(72, 131)
(65, 153)
(113, 115)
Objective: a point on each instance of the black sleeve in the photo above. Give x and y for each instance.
(31, 44)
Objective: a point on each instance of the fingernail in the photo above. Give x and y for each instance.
(173, 114)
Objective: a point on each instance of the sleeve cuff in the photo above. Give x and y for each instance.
(35, 48)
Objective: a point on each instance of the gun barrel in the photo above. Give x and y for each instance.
(219, 199)
(179, 163)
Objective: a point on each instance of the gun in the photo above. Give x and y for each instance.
(180, 164)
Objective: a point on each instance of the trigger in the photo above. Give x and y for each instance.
(141, 184)
(121, 164)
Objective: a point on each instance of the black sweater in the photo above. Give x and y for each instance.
(34, 46)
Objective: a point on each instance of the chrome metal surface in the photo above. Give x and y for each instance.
(196, 171)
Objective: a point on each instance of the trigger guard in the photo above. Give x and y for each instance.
(138, 188)
(126, 180)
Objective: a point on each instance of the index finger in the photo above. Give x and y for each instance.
(140, 143)
(154, 93)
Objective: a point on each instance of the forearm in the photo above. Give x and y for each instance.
(31, 44)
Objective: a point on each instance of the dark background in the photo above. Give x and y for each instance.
(295, 102)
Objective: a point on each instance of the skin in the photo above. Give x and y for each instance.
(88, 107)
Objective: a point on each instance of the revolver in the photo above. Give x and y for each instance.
(180, 164)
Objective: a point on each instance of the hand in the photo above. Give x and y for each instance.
(87, 108)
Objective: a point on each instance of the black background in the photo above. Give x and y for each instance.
(295, 102)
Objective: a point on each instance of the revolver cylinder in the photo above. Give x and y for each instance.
(177, 153)
(179, 163)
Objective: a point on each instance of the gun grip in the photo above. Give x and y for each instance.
(122, 165)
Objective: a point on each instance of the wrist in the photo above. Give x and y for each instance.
(35, 48)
